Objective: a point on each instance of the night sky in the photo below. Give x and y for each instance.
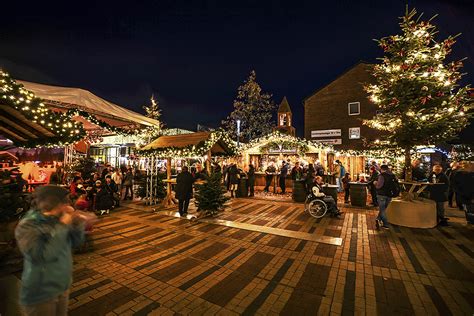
(194, 54)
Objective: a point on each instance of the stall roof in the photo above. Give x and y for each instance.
(194, 143)
(85, 100)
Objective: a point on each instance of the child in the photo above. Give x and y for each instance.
(346, 185)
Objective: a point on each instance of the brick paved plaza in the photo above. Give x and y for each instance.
(154, 263)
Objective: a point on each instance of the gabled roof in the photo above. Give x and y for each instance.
(359, 64)
(87, 101)
(191, 145)
(284, 106)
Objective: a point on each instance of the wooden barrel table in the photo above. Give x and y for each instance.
(358, 193)
(299, 191)
(242, 190)
(331, 189)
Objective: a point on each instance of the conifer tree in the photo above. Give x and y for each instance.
(153, 111)
(416, 90)
(253, 108)
(209, 196)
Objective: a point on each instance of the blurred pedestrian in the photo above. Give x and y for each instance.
(46, 236)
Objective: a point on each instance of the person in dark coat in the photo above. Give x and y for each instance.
(296, 172)
(439, 192)
(112, 188)
(374, 175)
(309, 180)
(464, 188)
(283, 175)
(128, 183)
(269, 172)
(251, 180)
(103, 200)
(184, 190)
(233, 174)
(451, 173)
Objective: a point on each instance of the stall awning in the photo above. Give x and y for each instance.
(191, 145)
(75, 98)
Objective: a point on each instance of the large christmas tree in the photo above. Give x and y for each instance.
(253, 108)
(416, 90)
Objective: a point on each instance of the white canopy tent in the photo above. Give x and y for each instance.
(66, 97)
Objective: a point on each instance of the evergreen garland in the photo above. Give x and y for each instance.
(192, 151)
(65, 130)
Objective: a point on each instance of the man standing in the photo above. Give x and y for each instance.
(338, 174)
(297, 172)
(439, 192)
(387, 187)
(184, 190)
(269, 172)
(283, 175)
(117, 177)
(374, 174)
(46, 236)
(128, 183)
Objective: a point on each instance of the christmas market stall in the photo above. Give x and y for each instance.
(174, 151)
(277, 147)
(112, 131)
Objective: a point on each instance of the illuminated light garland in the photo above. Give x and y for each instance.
(417, 95)
(193, 151)
(94, 120)
(278, 138)
(24, 101)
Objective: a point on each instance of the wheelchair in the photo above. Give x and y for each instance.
(315, 207)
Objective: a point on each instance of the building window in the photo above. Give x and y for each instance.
(354, 133)
(354, 108)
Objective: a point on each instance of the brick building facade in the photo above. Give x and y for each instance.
(334, 113)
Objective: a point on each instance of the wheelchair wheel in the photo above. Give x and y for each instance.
(317, 208)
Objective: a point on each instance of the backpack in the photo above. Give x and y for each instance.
(343, 171)
(391, 186)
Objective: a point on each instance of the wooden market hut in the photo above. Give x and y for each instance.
(276, 147)
(193, 145)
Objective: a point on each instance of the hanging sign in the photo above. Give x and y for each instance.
(283, 151)
(331, 141)
(326, 133)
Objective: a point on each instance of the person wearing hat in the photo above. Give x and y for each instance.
(46, 236)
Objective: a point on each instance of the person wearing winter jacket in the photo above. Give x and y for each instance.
(439, 192)
(46, 237)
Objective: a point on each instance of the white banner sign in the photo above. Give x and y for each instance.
(332, 141)
(326, 133)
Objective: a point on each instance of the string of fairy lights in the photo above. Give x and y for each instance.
(65, 131)
(193, 151)
(417, 92)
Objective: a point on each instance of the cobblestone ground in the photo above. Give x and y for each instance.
(153, 263)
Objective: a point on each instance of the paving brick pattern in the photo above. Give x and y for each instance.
(147, 263)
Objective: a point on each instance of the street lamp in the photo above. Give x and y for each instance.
(238, 133)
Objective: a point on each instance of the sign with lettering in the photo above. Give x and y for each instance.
(283, 151)
(326, 133)
(331, 141)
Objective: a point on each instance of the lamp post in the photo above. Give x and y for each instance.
(238, 133)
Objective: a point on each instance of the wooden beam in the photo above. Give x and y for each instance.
(17, 127)
(12, 134)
